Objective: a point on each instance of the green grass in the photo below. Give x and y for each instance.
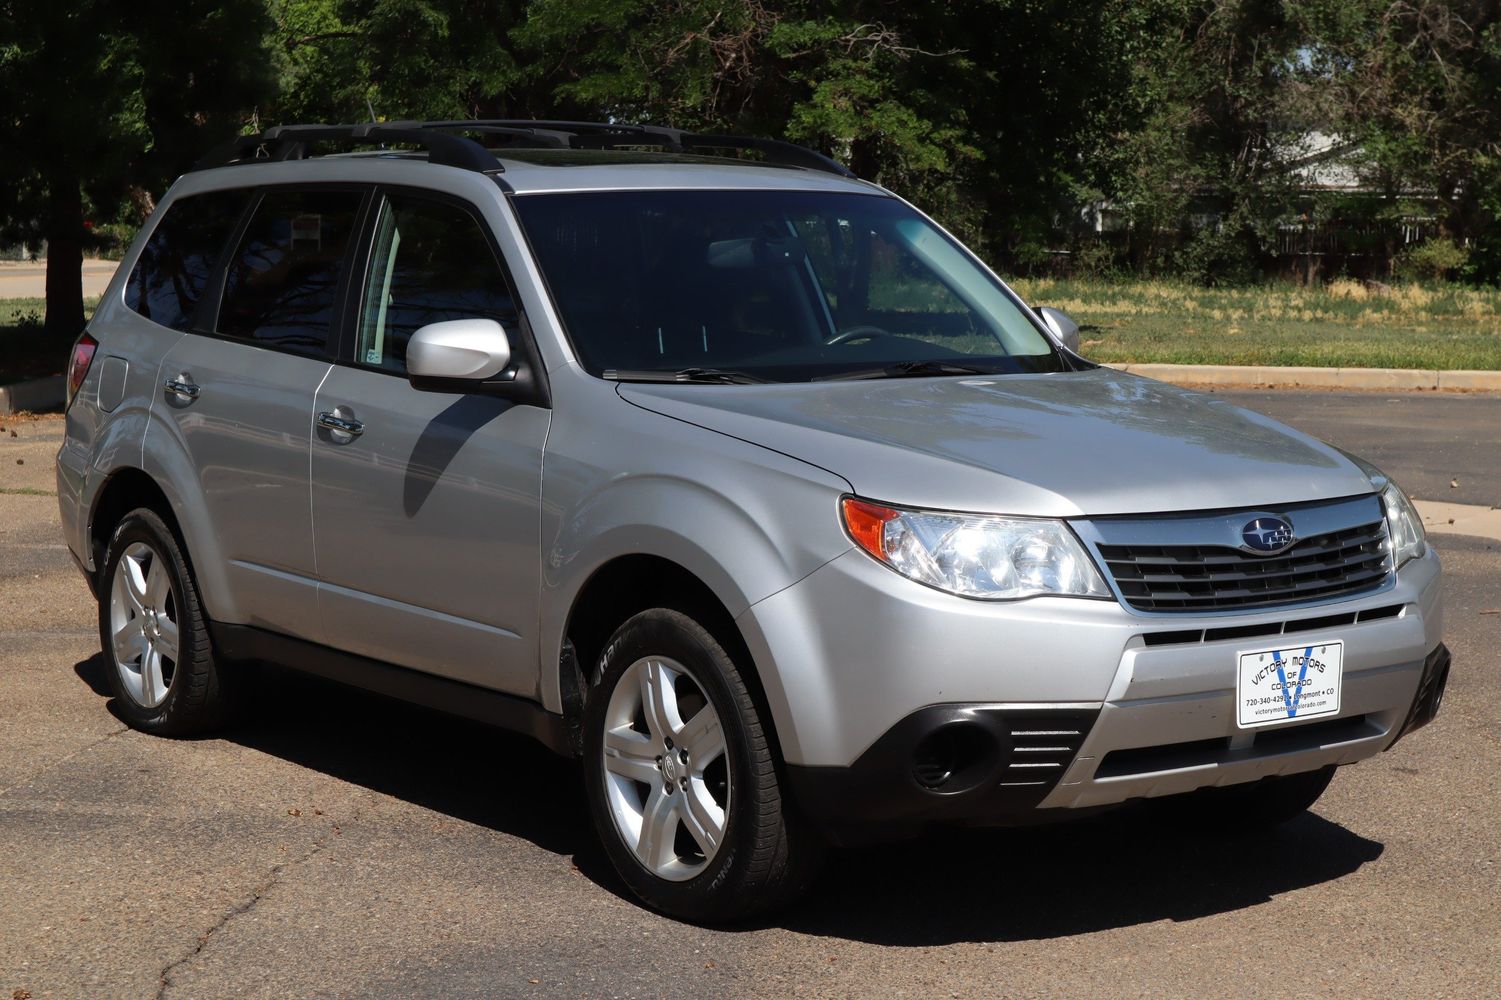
(1342, 325)
(25, 351)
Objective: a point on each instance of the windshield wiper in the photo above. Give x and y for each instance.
(907, 369)
(701, 375)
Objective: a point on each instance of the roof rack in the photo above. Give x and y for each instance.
(444, 146)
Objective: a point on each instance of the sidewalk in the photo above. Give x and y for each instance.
(1265, 376)
(28, 279)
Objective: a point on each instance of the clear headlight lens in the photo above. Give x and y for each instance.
(975, 555)
(1402, 523)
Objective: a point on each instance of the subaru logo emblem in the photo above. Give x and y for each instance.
(1267, 535)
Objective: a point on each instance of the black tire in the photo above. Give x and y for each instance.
(196, 700)
(767, 854)
(1254, 806)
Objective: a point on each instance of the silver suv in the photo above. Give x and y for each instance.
(733, 475)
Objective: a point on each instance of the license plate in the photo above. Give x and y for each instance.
(1280, 685)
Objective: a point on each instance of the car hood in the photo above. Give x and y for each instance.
(1059, 445)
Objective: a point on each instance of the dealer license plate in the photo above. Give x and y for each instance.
(1279, 685)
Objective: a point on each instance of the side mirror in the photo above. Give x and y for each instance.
(1065, 329)
(462, 350)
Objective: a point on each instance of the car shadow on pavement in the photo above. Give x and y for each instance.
(463, 769)
(1135, 865)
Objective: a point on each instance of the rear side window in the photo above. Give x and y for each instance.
(174, 267)
(282, 279)
(431, 263)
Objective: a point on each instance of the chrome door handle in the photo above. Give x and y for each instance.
(181, 387)
(344, 425)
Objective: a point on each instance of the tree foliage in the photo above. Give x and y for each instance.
(1008, 119)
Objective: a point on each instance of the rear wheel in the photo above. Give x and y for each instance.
(151, 626)
(682, 779)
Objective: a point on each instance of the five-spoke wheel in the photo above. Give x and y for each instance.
(155, 639)
(682, 776)
(143, 624)
(667, 779)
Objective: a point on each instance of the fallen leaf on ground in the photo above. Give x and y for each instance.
(294, 812)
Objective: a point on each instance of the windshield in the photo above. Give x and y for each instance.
(777, 286)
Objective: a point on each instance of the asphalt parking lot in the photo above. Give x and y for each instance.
(339, 845)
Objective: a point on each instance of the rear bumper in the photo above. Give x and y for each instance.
(976, 764)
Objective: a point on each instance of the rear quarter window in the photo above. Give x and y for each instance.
(173, 269)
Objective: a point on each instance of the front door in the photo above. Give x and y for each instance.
(426, 516)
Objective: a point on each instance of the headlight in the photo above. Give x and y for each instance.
(975, 555)
(1402, 523)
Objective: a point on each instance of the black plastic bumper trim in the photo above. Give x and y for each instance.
(1430, 694)
(1006, 761)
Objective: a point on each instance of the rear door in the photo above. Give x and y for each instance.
(239, 387)
(427, 520)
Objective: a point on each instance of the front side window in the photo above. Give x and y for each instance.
(174, 267)
(780, 285)
(431, 263)
(281, 282)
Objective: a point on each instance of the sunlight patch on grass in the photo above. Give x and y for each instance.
(1343, 324)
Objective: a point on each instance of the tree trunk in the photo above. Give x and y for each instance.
(64, 258)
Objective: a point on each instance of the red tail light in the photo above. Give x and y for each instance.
(83, 356)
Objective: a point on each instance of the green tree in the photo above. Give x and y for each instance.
(1418, 83)
(428, 59)
(104, 102)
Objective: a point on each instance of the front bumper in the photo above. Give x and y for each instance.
(852, 653)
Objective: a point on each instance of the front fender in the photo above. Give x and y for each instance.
(746, 521)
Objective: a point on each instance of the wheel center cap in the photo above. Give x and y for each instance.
(669, 769)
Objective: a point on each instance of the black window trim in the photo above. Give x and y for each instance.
(205, 319)
(531, 385)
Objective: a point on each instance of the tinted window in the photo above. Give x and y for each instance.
(170, 275)
(281, 281)
(783, 285)
(431, 263)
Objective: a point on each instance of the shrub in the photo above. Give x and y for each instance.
(1431, 260)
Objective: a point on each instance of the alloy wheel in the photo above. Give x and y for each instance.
(666, 768)
(143, 623)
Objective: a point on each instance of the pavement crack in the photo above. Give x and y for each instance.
(273, 878)
(63, 760)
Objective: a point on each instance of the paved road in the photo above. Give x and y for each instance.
(29, 280)
(339, 845)
(1426, 440)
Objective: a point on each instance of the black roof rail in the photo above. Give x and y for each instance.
(607, 135)
(290, 142)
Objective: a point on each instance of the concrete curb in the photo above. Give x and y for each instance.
(1329, 378)
(39, 395)
(1440, 518)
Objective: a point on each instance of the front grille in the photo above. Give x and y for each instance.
(1188, 578)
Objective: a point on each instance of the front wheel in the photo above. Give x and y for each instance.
(682, 778)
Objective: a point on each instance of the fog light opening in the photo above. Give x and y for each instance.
(950, 758)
